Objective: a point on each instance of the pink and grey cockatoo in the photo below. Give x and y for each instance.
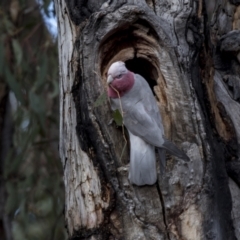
(143, 121)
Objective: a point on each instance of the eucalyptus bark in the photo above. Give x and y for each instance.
(185, 50)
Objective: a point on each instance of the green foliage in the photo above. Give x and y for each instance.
(13, 84)
(100, 100)
(18, 54)
(117, 116)
(33, 171)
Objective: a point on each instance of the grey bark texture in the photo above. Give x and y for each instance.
(189, 54)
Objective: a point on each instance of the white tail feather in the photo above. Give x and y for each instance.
(142, 162)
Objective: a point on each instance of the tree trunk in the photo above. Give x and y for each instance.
(188, 52)
(6, 132)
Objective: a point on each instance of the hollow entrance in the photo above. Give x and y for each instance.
(137, 45)
(144, 68)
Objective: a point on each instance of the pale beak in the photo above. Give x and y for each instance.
(109, 79)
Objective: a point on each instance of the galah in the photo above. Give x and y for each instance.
(132, 96)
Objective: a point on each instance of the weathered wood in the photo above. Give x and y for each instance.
(183, 57)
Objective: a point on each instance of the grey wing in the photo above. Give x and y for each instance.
(143, 125)
(142, 116)
(150, 102)
(138, 121)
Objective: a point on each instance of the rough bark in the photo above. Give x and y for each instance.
(184, 49)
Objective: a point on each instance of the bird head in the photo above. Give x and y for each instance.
(120, 80)
(116, 72)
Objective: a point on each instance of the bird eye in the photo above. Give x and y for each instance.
(119, 76)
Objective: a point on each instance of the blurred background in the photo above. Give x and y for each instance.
(31, 186)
